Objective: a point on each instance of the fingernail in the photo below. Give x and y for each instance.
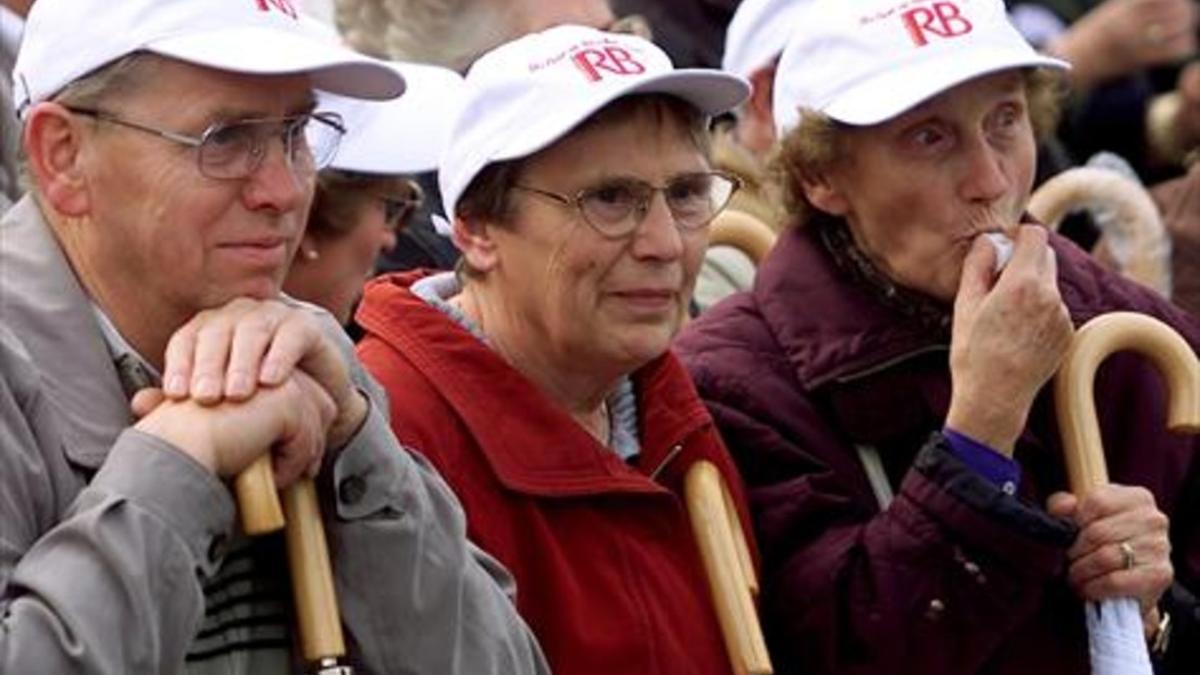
(176, 386)
(270, 373)
(240, 384)
(206, 387)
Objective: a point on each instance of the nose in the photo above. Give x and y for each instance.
(388, 238)
(277, 184)
(657, 236)
(986, 177)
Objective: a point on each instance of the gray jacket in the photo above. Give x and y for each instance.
(98, 566)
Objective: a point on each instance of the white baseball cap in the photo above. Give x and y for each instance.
(867, 61)
(528, 93)
(403, 135)
(67, 39)
(758, 32)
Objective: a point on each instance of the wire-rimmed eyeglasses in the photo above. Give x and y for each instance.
(616, 207)
(234, 150)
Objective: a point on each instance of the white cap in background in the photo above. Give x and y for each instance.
(528, 93)
(867, 61)
(401, 136)
(67, 39)
(758, 33)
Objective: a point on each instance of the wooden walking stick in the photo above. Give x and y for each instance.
(1138, 243)
(1084, 454)
(744, 232)
(727, 563)
(318, 619)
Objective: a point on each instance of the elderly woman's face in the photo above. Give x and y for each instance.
(917, 189)
(586, 298)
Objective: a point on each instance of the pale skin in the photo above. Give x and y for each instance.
(940, 175)
(330, 271)
(187, 267)
(570, 309)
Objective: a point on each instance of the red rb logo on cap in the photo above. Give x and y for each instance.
(284, 6)
(942, 19)
(614, 60)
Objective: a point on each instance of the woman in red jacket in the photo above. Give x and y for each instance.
(538, 378)
(881, 386)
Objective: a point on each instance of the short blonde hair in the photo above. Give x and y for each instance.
(816, 143)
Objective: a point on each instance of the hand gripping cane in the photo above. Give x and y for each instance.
(1076, 409)
(726, 558)
(320, 625)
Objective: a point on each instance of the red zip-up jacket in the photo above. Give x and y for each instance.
(608, 575)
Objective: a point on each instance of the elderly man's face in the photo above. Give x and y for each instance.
(917, 189)
(188, 241)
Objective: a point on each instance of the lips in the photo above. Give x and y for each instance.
(261, 252)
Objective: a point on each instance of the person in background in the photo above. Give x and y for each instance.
(173, 147)
(743, 144)
(12, 23)
(538, 378)
(882, 387)
(366, 196)
(1130, 92)
(451, 34)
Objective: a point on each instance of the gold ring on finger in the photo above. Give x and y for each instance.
(1128, 558)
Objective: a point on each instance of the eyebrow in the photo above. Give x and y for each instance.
(231, 113)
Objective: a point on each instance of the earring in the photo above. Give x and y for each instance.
(310, 253)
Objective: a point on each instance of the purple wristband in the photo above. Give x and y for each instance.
(1001, 471)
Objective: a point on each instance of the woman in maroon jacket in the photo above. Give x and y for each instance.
(881, 387)
(538, 379)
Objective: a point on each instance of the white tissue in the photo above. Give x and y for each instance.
(1003, 246)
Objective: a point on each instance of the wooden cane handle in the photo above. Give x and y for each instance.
(312, 575)
(726, 559)
(743, 232)
(258, 501)
(1076, 406)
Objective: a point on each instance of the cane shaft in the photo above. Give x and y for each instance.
(258, 501)
(312, 575)
(726, 559)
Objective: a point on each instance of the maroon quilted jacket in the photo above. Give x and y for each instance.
(954, 577)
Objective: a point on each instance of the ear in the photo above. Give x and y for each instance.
(756, 123)
(473, 237)
(53, 143)
(822, 193)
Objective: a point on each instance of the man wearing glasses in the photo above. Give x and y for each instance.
(172, 147)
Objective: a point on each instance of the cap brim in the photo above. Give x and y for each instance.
(711, 91)
(898, 90)
(333, 68)
(404, 135)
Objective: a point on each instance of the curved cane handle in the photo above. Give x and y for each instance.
(726, 558)
(1137, 218)
(744, 232)
(1076, 406)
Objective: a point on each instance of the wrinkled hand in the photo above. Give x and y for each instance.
(1120, 37)
(289, 419)
(1009, 336)
(1107, 517)
(228, 352)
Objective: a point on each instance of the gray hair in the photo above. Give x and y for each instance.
(117, 78)
(448, 33)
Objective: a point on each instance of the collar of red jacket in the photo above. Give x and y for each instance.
(531, 443)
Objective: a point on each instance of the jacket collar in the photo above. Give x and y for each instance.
(530, 443)
(51, 314)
